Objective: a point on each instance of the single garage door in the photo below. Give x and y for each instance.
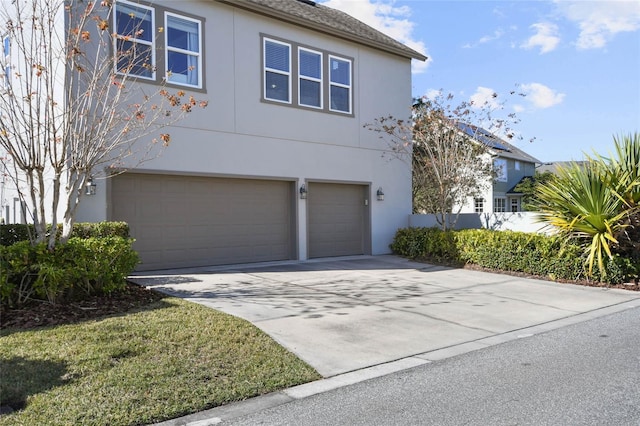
(184, 221)
(337, 215)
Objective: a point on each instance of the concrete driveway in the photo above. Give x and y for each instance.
(346, 314)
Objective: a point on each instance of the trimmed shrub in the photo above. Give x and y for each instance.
(548, 256)
(81, 267)
(13, 233)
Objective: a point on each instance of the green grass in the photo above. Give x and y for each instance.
(170, 359)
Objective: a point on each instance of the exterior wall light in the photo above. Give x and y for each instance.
(90, 186)
(303, 192)
(380, 194)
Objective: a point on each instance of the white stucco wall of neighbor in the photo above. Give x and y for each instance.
(239, 135)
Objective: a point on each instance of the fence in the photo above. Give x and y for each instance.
(521, 221)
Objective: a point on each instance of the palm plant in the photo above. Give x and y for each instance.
(598, 203)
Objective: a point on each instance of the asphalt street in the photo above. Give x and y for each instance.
(583, 374)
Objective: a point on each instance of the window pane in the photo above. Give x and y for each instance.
(134, 58)
(182, 34)
(340, 99)
(277, 56)
(277, 86)
(134, 22)
(310, 64)
(340, 72)
(7, 46)
(310, 93)
(182, 68)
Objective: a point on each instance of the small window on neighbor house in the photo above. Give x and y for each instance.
(6, 60)
(277, 71)
(499, 205)
(310, 78)
(515, 205)
(500, 168)
(134, 41)
(183, 47)
(517, 165)
(340, 84)
(478, 205)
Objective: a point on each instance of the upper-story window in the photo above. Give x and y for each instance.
(183, 50)
(319, 76)
(135, 49)
(500, 167)
(310, 80)
(277, 71)
(340, 93)
(142, 52)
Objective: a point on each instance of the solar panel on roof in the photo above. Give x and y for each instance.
(483, 136)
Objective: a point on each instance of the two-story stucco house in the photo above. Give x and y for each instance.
(280, 165)
(511, 165)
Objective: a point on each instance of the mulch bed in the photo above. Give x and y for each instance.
(39, 314)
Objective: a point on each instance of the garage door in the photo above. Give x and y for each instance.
(183, 221)
(338, 224)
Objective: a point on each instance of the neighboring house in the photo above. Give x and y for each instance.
(280, 165)
(511, 166)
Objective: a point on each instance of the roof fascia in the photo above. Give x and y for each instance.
(267, 11)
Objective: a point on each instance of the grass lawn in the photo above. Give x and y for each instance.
(169, 359)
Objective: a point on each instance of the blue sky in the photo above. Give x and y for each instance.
(577, 61)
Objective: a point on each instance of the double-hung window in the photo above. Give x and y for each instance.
(499, 205)
(183, 47)
(277, 71)
(340, 84)
(310, 78)
(135, 41)
(478, 205)
(306, 77)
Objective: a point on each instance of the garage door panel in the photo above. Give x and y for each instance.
(181, 221)
(337, 219)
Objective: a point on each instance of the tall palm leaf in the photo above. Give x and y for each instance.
(581, 204)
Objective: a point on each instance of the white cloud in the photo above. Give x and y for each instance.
(485, 97)
(546, 37)
(540, 96)
(600, 21)
(387, 18)
(486, 39)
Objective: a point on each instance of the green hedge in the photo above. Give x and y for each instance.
(13, 233)
(81, 267)
(535, 254)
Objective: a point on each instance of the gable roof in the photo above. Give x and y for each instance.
(496, 145)
(308, 14)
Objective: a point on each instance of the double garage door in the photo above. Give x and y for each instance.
(187, 221)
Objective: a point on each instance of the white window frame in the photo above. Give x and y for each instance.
(152, 43)
(266, 69)
(309, 78)
(500, 205)
(517, 165)
(192, 53)
(344, 86)
(478, 205)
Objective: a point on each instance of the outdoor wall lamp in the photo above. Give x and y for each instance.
(303, 192)
(380, 194)
(90, 186)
